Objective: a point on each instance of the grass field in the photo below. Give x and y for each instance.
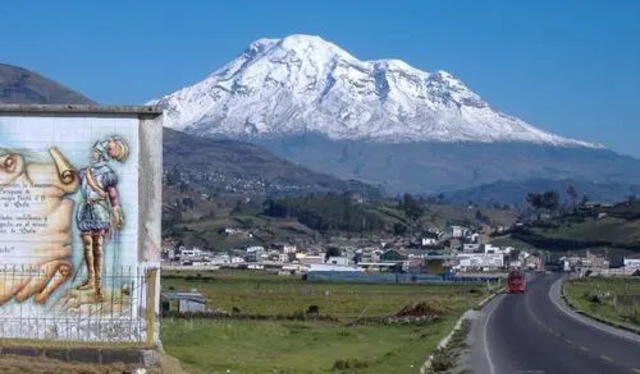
(613, 299)
(309, 346)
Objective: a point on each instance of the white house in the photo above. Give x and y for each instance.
(254, 253)
(488, 248)
(456, 231)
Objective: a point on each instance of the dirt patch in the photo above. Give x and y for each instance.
(415, 313)
(421, 309)
(418, 312)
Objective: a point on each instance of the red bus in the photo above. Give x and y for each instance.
(516, 281)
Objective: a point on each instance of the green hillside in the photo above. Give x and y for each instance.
(590, 227)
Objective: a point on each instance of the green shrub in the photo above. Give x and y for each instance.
(348, 364)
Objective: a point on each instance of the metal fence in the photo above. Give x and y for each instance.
(69, 313)
(391, 278)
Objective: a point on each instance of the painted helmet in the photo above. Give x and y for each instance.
(113, 148)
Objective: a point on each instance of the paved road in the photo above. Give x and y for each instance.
(530, 333)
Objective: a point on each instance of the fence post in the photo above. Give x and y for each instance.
(152, 281)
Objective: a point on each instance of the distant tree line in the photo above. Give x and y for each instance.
(327, 212)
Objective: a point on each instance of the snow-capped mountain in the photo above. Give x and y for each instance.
(304, 84)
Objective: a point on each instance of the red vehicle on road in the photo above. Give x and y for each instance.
(516, 281)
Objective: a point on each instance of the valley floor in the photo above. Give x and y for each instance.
(352, 338)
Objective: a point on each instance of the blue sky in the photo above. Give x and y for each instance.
(570, 67)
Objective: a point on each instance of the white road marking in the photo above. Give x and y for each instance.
(492, 369)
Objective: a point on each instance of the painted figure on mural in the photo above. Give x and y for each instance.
(100, 211)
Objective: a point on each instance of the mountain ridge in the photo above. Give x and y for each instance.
(231, 166)
(304, 84)
(22, 86)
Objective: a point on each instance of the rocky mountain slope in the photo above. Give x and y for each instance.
(21, 86)
(234, 167)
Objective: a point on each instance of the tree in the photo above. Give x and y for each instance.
(549, 200)
(399, 229)
(333, 252)
(585, 200)
(411, 207)
(535, 200)
(573, 194)
(481, 217)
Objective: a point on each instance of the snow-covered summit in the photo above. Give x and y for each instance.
(303, 83)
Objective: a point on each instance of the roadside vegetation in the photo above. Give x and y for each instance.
(445, 358)
(612, 299)
(338, 328)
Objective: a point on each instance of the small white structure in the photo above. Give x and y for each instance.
(479, 261)
(306, 259)
(338, 260)
(475, 237)
(289, 249)
(632, 262)
(456, 231)
(429, 242)
(488, 248)
(254, 253)
(194, 252)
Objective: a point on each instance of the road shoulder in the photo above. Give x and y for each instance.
(478, 357)
(463, 362)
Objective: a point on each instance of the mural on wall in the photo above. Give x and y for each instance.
(66, 248)
(35, 225)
